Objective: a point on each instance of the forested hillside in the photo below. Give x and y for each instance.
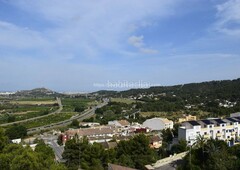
(217, 97)
(225, 89)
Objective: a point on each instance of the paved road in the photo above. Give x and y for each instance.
(84, 115)
(39, 117)
(58, 150)
(170, 166)
(169, 163)
(52, 142)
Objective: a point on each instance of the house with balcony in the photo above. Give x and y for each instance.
(227, 129)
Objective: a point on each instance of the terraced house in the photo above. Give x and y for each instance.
(227, 129)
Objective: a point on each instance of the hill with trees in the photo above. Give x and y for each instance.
(217, 97)
(37, 92)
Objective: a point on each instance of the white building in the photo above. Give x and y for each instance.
(17, 141)
(223, 129)
(94, 134)
(119, 123)
(158, 123)
(235, 114)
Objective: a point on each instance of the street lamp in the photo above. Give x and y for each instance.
(190, 152)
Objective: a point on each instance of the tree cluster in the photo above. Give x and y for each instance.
(16, 131)
(204, 96)
(112, 111)
(133, 153)
(16, 157)
(212, 154)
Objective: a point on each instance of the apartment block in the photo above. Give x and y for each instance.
(227, 129)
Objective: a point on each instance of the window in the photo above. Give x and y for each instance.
(218, 131)
(205, 133)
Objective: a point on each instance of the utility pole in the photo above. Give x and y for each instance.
(190, 161)
(79, 154)
(190, 153)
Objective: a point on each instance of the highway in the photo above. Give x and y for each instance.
(86, 114)
(39, 117)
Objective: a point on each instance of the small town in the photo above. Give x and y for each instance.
(120, 85)
(187, 128)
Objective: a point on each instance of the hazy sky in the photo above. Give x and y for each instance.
(85, 45)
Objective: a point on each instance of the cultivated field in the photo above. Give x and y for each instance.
(170, 115)
(157, 114)
(123, 100)
(176, 115)
(48, 120)
(12, 110)
(69, 104)
(47, 102)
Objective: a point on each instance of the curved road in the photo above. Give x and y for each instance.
(34, 118)
(86, 114)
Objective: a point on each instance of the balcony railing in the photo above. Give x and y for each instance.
(206, 136)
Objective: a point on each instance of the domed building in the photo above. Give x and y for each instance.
(158, 123)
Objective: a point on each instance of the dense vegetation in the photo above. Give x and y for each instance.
(218, 98)
(16, 131)
(133, 153)
(113, 111)
(225, 89)
(212, 154)
(75, 104)
(16, 157)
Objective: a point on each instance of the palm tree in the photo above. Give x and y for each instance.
(200, 141)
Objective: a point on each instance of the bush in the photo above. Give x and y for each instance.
(16, 131)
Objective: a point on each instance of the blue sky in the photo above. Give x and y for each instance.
(76, 45)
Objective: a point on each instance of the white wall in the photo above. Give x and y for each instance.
(155, 124)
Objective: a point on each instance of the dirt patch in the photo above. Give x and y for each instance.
(34, 102)
(22, 113)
